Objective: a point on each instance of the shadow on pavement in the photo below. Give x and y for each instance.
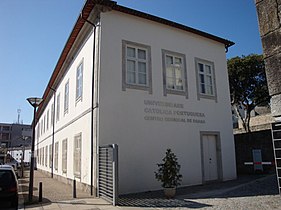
(159, 203)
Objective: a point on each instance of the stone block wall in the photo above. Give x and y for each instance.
(269, 16)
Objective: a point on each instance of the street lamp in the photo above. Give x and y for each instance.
(35, 102)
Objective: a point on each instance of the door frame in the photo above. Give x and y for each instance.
(219, 156)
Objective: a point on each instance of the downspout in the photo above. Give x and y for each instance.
(53, 135)
(92, 102)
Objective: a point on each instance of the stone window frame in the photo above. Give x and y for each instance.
(125, 85)
(170, 91)
(66, 97)
(199, 94)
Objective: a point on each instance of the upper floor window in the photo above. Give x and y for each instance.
(136, 71)
(58, 108)
(52, 114)
(206, 86)
(174, 73)
(79, 81)
(66, 97)
(47, 123)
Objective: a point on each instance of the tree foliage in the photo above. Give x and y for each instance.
(248, 85)
(169, 171)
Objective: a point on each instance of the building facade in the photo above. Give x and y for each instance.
(145, 84)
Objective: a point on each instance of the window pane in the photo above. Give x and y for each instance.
(178, 61)
(131, 77)
(202, 79)
(201, 67)
(208, 69)
(169, 60)
(178, 73)
(131, 52)
(202, 86)
(169, 72)
(209, 80)
(142, 79)
(209, 90)
(131, 66)
(170, 83)
(141, 54)
(142, 67)
(179, 84)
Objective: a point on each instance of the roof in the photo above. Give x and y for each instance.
(85, 12)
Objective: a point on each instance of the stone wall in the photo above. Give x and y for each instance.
(245, 143)
(269, 16)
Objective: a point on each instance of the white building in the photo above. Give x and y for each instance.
(145, 84)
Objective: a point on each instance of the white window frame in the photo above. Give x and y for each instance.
(64, 156)
(166, 89)
(79, 81)
(200, 93)
(137, 61)
(66, 97)
(77, 155)
(52, 114)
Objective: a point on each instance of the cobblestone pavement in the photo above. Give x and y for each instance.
(248, 192)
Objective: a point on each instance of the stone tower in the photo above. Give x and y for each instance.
(269, 16)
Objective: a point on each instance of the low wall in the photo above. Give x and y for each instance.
(245, 143)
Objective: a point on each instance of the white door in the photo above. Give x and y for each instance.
(210, 161)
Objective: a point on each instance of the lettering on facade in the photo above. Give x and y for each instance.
(171, 112)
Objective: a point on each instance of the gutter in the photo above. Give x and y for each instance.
(92, 101)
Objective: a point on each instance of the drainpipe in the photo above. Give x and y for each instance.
(53, 135)
(92, 102)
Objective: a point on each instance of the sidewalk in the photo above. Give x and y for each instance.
(57, 195)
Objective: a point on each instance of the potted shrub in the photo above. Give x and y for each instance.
(169, 174)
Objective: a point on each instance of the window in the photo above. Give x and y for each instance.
(44, 123)
(64, 156)
(136, 71)
(52, 114)
(58, 108)
(206, 86)
(66, 97)
(50, 156)
(48, 119)
(43, 156)
(79, 82)
(56, 155)
(46, 156)
(174, 73)
(6, 128)
(77, 155)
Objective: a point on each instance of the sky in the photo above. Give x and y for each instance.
(34, 32)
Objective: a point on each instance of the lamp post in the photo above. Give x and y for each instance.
(35, 102)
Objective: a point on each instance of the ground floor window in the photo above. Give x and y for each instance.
(56, 155)
(64, 156)
(77, 155)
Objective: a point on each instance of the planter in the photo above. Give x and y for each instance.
(170, 192)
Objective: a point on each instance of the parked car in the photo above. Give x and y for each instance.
(8, 185)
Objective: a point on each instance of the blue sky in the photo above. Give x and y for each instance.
(34, 32)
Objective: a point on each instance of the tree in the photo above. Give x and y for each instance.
(248, 85)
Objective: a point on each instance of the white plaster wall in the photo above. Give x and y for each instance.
(78, 118)
(142, 143)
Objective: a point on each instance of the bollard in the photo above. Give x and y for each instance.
(40, 191)
(74, 188)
